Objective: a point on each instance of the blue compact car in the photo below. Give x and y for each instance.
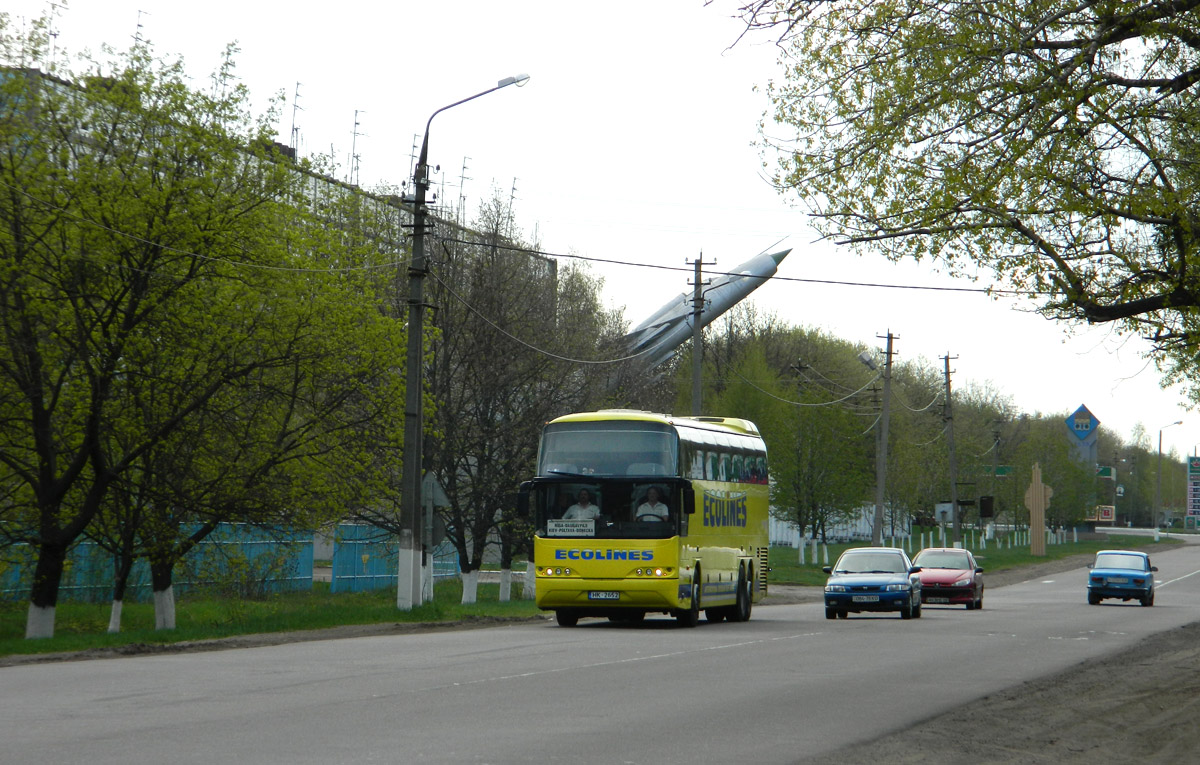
(873, 579)
(1124, 574)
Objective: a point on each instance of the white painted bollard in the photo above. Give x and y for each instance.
(505, 585)
(825, 554)
(803, 542)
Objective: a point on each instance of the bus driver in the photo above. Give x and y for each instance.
(583, 509)
(653, 508)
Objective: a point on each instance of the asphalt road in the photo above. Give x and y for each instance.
(785, 686)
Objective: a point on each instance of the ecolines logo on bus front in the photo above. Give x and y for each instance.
(609, 554)
(722, 508)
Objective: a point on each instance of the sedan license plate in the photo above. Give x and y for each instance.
(937, 600)
(1118, 580)
(865, 598)
(604, 595)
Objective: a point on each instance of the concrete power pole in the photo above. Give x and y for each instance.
(697, 335)
(881, 448)
(949, 417)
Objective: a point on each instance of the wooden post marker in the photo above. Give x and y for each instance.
(1037, 498)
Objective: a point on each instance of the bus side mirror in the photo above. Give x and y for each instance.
(689, 500)
(523, 499)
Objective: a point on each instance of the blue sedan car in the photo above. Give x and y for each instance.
(873, 579)
(1124, 574)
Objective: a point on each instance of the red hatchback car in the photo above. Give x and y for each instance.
(950, 576)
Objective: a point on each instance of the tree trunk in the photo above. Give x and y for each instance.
(470, 585)
(43, 594)
(114, 617)
(120, 583)
(164, 595)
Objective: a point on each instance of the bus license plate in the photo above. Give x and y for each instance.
(604, 595)
(866, 598)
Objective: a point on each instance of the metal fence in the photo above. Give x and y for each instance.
(235, 558)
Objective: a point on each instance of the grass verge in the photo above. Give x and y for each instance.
(83, 626)
(786, 568)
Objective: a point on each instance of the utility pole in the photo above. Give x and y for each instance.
(881, 447)
(697, 334)
(949, 418)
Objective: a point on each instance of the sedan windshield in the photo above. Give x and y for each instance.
(1120, 560)
(942, 560)
(870, 563)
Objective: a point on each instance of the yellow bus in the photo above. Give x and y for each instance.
(638, 513)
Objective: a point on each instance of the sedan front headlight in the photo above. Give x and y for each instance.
(835, 588)
(964, 582)
(897, 587)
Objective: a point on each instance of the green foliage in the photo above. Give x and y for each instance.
(186, 336)
(1051, 144)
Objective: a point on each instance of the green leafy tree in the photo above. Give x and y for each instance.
(153, 248)
(1051, 143)
(509, 327)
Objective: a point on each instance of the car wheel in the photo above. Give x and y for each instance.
(843, 614)
(906, 610)
(970, 605)
(1148, 600)
(831, 613)
(979, 604)
(566, 618)
(1093, 600)
(917, 609)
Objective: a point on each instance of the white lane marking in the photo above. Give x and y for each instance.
(551, 671)
(1176, 579)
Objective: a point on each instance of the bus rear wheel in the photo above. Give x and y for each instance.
(745, 599)
(566, 618)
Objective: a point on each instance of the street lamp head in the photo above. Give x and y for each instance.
(519, 81)
(868, 360)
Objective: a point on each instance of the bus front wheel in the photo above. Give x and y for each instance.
(690, 617)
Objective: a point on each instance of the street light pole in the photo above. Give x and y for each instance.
(1158, 481)
(410, 590)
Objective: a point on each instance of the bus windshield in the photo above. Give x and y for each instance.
(612, 509)
(617, 448)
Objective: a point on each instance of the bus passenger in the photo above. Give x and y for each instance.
(653, 508)
(583, 509)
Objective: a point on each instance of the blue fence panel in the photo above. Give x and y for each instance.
(366, 558)
(254, 560)
(251, 560)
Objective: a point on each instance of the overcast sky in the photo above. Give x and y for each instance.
(633, 141)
